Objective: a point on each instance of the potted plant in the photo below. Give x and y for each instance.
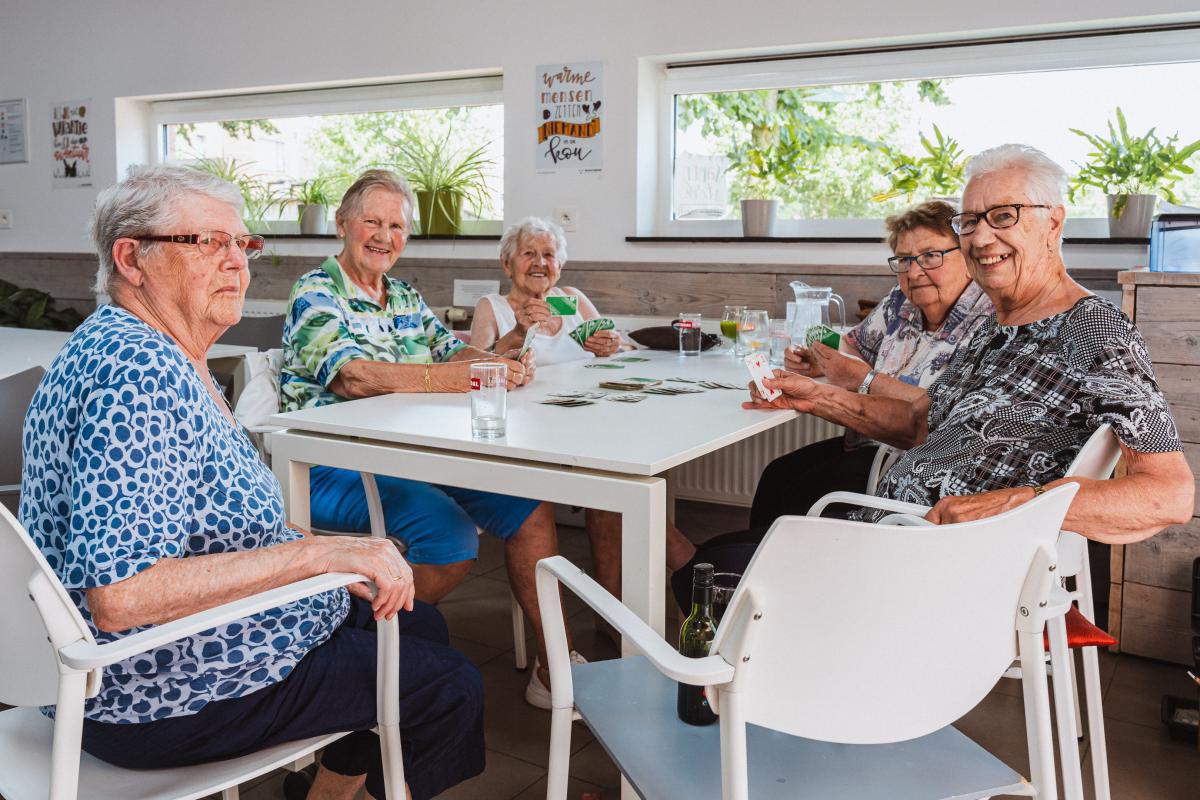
(312, 199)
(1132, 171)
(258, 198)
(444, 177)
(939, 171)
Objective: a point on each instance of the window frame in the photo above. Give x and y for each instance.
(432, 93)
(933, 61)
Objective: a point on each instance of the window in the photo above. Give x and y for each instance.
(844, 140)
(274, 146)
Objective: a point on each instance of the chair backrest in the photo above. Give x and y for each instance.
(1099, 455)
(873, 634)
(264, 333)
(16, 391)
(28, 663)
(259, 397)
(885, 456)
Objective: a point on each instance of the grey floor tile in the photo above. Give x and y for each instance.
(479, 611)
(591, 763)
(1146, 764)
(505, 777)
(479, 654)
(575, 790)
(1135, 692)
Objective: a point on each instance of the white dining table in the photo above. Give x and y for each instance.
(24, 348)
(610, 456)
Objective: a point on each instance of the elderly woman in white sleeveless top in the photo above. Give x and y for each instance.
(532, 254)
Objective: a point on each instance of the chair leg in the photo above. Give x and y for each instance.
(735, 780)
(518, 627)
(68, 733)
(1075, 694)
(230, 794)
(1096, 739)
(1037, 715)
(560, 753)
(1065, 701)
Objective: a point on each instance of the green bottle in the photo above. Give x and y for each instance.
(695, 638)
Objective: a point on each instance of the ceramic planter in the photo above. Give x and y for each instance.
(313, 220)
(758, 217)
(1136, 215)
(440, 212)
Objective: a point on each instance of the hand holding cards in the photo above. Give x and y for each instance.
(585, 330)
(823, 334)
(528, 343)
(562, 305)
(759, 371)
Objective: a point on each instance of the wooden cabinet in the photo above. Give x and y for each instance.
(1150, 600)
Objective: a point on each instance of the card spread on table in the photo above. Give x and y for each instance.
(528, 343)
(682, 380)
(672, 390)
(823, 334)
(627, 398)
(604, 366)
(719, 385)
(630, 384)
(582, 333)
(580, 394)
(562, 305)
(566, 402)
(631, 359)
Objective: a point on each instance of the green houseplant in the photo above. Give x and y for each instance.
(30, 308)
(444, 177)
(1133, 171)
(939, 171)
(312, 199)
(258, 199)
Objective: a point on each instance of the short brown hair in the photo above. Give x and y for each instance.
(934, 215)
(375, 179)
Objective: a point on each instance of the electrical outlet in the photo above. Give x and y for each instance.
(5, 219)
(567, 218)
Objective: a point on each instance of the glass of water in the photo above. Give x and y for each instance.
(781, 339)
(489, 399)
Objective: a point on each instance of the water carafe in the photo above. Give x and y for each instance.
(812, 308)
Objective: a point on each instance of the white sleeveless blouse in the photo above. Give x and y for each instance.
(547, 349)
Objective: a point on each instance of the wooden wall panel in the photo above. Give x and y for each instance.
(1156, 622)
(1169, 319)
(1165, 559)
(1181, 385)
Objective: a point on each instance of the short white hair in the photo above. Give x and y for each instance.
(532, 226)
(1045, 180)
(147, 203)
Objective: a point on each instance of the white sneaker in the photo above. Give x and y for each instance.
(537, 694)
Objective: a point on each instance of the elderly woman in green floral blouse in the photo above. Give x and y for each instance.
(352, 331)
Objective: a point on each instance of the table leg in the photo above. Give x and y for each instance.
(643, 555)
(293, 478)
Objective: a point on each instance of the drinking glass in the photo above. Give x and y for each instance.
(689, 334)
(781, 339)
(753, 333)
(489, 399)
(724, 585)
(729, 326)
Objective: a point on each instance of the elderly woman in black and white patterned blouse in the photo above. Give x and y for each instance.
(1016, 404)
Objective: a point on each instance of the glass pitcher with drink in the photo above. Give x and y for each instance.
(812, 308)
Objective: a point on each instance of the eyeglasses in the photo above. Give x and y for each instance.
(997, 217)
(209, 242)
(926, 261)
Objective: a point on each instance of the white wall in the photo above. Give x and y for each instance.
(118, 49)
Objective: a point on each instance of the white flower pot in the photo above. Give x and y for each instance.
(313, 220)
(758, 217)
(1135, 219)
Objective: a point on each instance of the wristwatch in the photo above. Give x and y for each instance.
(865, 386)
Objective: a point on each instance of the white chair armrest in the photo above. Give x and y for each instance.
(868, 501)
(7, 488)
(83, 655)
(707, 671)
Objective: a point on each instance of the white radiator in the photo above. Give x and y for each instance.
(730, 475)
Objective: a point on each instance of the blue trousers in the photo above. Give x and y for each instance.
(333, 689)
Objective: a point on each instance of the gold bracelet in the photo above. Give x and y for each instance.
(428, 386)
(1038, 491)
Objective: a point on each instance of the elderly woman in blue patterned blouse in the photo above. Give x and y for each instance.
(151, 504)
(1017, 402)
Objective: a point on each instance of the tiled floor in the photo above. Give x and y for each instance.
(1145, 763)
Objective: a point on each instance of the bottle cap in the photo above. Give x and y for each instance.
(703, 575)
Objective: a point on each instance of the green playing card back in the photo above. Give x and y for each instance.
(823, 334)
(562, 305)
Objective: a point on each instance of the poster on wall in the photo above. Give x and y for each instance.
(12, 132)
(70, 144)
(569, 105)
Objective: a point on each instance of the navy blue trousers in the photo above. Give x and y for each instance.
(333, 689)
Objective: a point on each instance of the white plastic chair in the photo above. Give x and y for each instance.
(258, 401)
(1096, 459)
(830, 683)
(885, 456)
(50, 657)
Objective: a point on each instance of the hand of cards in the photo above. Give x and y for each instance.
(584, 331)
(760, 371)
(823, 334)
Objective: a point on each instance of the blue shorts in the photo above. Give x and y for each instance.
(438, 524)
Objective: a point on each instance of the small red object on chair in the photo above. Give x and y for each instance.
(1083, 633)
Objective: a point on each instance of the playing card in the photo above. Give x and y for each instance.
(562, 305)
(630, 359)
(760, 371)
(719, 385)
(627, 398)
(588, 327)
(528, 343)
(567, 402)
(823, 334)
(604, 366)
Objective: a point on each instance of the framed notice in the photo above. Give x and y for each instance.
(14, 127)
(570, 105)
(71, 145)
